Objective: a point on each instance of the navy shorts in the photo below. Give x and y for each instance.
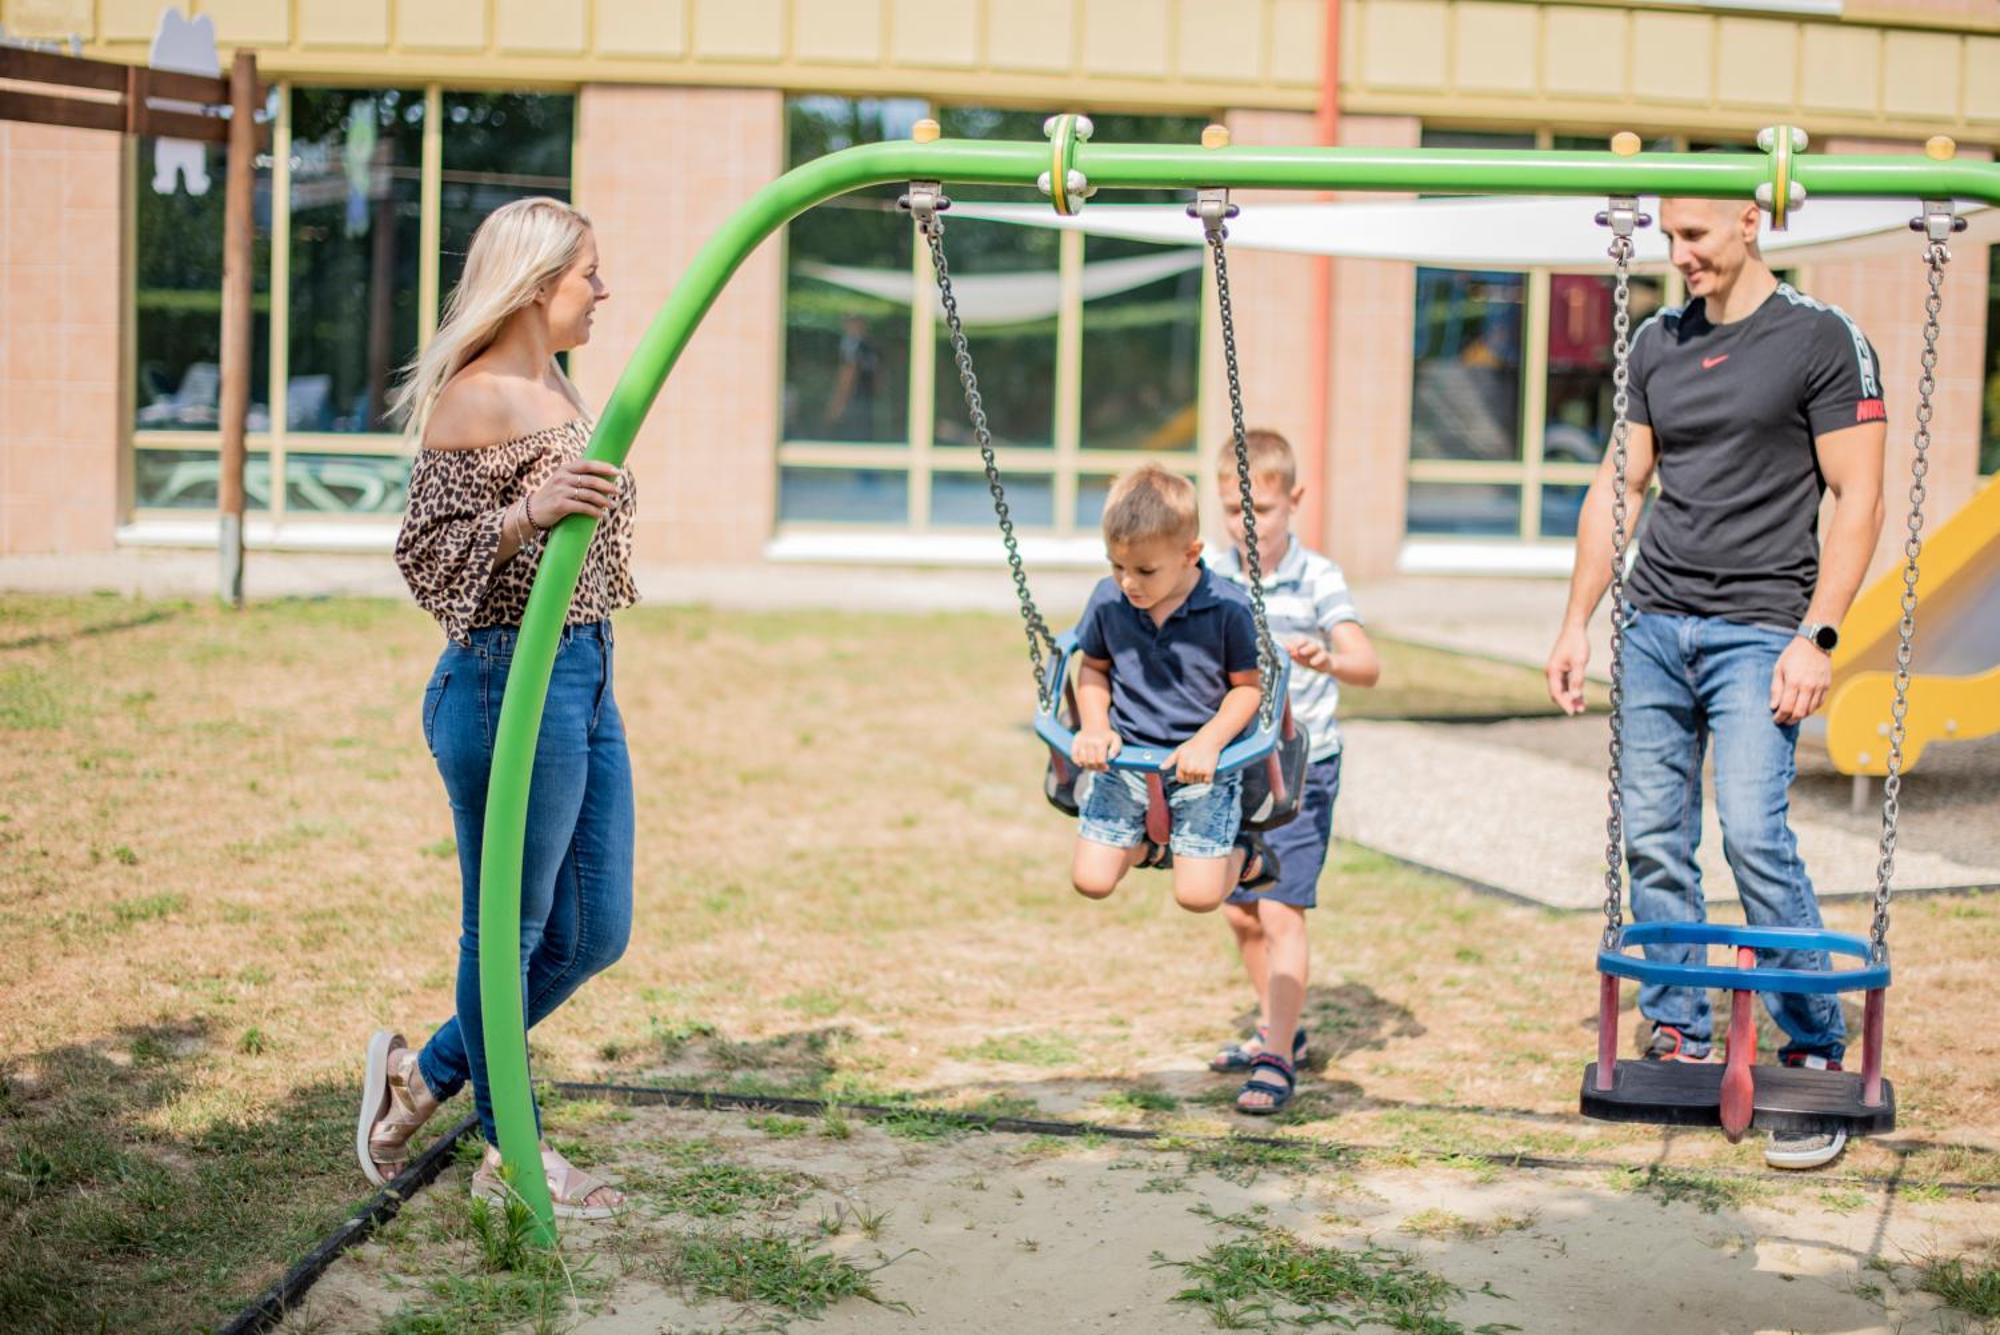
(1301, 844)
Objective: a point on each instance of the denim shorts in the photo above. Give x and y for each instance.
(1205, 815)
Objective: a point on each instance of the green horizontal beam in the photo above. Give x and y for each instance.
(969, 162)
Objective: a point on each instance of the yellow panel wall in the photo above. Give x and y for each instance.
(1403, 44)
(1757, 62)
(842, 32)
(363, 24)
(1583, 52)
(1841, 70)
(1982, 79)
(1296, 42)
(1035, 35)
(539, 27)
(1920, 74)
(1493, 47)
(1670, 57)
(442, 25)
(1127, 37)
(121, 20)
(1215, 42)
(945, 33)
(655, 28)
(739, 29)
(51, 18)
(259, 22)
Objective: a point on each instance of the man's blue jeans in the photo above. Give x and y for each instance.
(576, 865)
(1691, 682)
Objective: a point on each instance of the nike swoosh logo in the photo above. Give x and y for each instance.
(1710, 363)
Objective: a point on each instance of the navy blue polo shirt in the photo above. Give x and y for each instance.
(1168, 680)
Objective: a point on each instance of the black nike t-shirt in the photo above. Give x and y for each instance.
(1734, 409)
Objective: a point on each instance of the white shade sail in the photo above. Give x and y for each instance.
(1489, 232)
(1009, 298)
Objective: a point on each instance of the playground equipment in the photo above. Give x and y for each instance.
(1738, 1095)
(1070, 169)
(1955, 686)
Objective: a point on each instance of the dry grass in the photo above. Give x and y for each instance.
(225, 857)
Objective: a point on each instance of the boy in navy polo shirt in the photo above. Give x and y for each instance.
(1167, 658)
(1313, 617)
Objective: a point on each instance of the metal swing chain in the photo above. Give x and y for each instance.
(924, 201)
(1622, 217)
(1267, 657)
(1936, 255)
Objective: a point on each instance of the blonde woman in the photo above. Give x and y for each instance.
(502, 434)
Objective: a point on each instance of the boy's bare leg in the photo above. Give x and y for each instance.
(1201, 884)
(1253, 949)
(1287, 960)
(1096, 869)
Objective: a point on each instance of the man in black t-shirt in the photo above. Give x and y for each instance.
(1749, 403)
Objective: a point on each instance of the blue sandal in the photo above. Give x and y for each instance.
(1237, 1057)
(1263, 1067)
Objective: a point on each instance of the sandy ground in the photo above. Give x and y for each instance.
(994, 1233)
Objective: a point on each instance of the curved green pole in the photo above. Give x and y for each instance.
(970, 162)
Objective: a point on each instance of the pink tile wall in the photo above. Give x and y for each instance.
(60, 282)
(658, 169)
(1274, 309)
(1369, 430)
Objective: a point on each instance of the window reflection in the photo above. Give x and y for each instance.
(1466, 398)
(357, 163)
(1580, 417)
(177, 289)
(499, 147)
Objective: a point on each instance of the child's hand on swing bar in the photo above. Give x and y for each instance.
(1095, 748)
(1193, 761)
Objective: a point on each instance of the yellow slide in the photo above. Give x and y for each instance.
(1955, 666)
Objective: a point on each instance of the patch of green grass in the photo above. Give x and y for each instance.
(1969, 1284)
(1241, 1161)
(126, 912)
(1708, 1192)
(29, 701)
(1269, 1279)
(725, 1190)
(1440, 1224)
(834, 1124)
(791, 1274)
(1023, 1050)
(1141, 1100)
(778, 1127)
(930, 1123)
(819, 1003)
(673, 1035)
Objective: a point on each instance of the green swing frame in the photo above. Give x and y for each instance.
(1069, 169)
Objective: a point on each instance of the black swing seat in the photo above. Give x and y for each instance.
(1788, 1098)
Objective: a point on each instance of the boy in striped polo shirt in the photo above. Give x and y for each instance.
(1313, 619)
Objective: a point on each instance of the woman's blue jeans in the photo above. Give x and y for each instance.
(1690, 681)
(576, 866)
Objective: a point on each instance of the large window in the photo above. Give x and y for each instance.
(1088, 351)
(351, 261)
(1511, 386)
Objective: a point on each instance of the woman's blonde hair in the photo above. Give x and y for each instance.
(516, 251)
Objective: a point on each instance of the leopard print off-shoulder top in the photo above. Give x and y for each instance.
(451, 529)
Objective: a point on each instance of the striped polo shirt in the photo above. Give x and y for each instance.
(1305, 596)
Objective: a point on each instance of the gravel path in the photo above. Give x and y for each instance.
(1520, 806)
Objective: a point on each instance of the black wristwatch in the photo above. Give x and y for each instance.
(1823, 636)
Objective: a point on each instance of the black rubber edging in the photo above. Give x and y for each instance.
(707, 1100)
(270, 1306)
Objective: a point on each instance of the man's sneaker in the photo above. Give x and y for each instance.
(1805, 1149)
(1671, 1045)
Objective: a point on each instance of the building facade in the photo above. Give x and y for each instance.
(1448, 419)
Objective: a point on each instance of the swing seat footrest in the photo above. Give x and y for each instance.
(1788, 1098)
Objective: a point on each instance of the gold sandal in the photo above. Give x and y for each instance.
(395, 1103)
(570, 1188)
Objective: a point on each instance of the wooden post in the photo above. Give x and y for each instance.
(238, 284)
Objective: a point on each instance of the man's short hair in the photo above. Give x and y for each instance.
(1148, 504)
(1270, 456)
